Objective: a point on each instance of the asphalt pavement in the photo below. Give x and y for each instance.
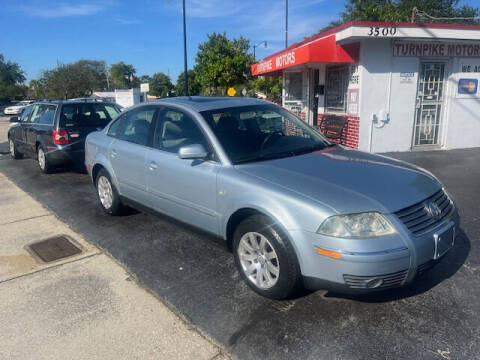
(438, 317)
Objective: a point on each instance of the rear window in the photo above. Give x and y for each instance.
(87, 114)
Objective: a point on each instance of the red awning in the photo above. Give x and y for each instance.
(321, 50)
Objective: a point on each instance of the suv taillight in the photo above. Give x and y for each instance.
(60, 137)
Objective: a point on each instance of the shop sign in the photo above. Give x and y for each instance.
(406, 77)
(280, 61)
(469, 66)
(434, 49)
(353, 101)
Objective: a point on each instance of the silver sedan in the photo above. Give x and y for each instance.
(295, 208)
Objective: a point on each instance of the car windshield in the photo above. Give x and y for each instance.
(22, 103)
(262, 132)
(87, 114)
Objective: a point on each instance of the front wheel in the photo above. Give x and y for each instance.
(265, 258)
(108, 194)
(14, 153)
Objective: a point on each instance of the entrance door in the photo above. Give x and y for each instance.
(429, 105)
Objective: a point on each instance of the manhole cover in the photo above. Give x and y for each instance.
(54, 248)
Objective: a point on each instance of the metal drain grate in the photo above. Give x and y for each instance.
(54, 248)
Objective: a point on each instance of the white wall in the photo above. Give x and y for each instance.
(463, 125)
(382, 94)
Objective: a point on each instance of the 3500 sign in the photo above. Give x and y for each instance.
(382, 31)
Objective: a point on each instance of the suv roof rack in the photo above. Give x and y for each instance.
(86, 99)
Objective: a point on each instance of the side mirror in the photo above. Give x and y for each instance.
(14, 119)
(194, 151)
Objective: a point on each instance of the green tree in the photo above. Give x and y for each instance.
(194, 87)
(77, 79)
(401, 10)
(11, 79)
(120, 74)
(144, 79)
(160, 85)
(222, 63)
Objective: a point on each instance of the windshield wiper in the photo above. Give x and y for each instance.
(278, 155)
(263, 157)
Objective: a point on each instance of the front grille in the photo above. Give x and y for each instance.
(418, 220)
(361, 282)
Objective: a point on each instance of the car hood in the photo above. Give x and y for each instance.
(348, 181)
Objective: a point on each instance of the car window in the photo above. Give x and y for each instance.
(26, 113)
(262, 132)
(176, 129)
(87, 114)
(43, 114)
(113, 129)
(136, 125)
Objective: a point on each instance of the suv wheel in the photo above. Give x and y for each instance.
(108, 194)
(265, 258)
(42, 159)
(14, 153)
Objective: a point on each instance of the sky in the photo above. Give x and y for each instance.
(148, 33)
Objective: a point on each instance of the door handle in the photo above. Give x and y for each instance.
(153, 165)
(113, 153)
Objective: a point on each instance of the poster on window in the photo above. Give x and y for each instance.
(353, 101)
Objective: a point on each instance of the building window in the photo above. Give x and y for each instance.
(336, 88)
(293, 86)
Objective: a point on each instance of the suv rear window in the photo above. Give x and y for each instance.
(87, 114)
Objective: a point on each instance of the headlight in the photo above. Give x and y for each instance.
(362, 225)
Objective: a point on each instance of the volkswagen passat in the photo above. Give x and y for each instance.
(293, 206)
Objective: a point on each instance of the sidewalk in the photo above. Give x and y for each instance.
(82, 307)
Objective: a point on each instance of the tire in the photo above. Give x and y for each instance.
(107, 194)
(43, 162)
(14, 153)
(261, 247)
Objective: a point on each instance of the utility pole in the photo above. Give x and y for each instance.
(185, 49)
(257, 45)
(286, 24)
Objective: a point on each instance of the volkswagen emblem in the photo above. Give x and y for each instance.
(432, 210)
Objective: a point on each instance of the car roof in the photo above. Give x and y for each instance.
(206, 103)
(67, 102)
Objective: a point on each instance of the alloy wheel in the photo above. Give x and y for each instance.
(41, 158)
(259, 260)
(12, 148)
(105, 192)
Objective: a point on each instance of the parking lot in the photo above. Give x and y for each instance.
(438, 317)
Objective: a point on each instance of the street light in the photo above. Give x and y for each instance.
(257, 45)
(185, 49)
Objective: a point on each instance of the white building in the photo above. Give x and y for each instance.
(400, 86)
(124, 98)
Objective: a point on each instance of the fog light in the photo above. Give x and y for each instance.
(374, 283)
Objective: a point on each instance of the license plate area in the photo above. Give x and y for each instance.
(443, 242)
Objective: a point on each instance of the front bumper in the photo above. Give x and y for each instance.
(367, 265)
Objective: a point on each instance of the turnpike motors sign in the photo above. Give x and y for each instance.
(441, 49)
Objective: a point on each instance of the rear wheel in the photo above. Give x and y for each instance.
(14, 153)
(265, 258)
(43, 161)
(108, 194)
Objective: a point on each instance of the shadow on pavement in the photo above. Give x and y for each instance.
(4, 149)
